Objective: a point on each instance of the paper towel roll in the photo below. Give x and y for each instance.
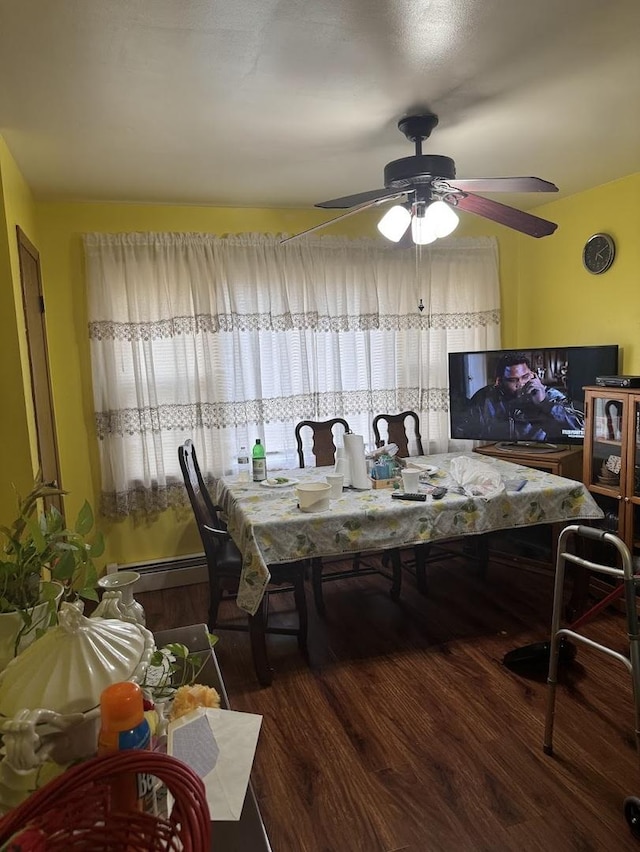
(354, 448)
(342, 466)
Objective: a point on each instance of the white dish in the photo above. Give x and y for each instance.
(50, 693)
(424, 470)
(273, 483)
(313, 496)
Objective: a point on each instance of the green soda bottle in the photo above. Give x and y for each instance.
(259, 461)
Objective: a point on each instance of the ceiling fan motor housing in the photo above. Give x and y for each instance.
(418, 170)
(418, 127)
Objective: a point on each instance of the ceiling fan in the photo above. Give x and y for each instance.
(428, 192)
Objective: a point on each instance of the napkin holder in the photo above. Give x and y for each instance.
(391, 482)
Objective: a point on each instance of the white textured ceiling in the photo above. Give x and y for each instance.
(291, 102)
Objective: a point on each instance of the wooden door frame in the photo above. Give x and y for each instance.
(39, 369)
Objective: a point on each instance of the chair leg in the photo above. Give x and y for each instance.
(214, 603)
(257, 636)
(422, 552)
(316, 582)
(396, 565)
(301, 606)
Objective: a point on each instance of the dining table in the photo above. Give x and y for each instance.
(268, 526)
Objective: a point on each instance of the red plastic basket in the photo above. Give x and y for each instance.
(73, 812)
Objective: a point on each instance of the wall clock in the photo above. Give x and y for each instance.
(598, 253)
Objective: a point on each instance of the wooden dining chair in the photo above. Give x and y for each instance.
(404, 429)
(224, 564)
(324, 451)
(324, 439)
(397, 432)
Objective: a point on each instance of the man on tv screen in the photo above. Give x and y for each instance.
(518, 407)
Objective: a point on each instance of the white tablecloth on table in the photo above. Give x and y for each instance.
(269, 528)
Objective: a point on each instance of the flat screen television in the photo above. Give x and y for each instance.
(525, 398)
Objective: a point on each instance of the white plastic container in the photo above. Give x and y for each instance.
(336, 481)
(313, 496)
(411, 481)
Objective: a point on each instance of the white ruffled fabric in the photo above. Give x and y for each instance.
(475, 478)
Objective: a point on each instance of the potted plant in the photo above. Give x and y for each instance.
(43, 561)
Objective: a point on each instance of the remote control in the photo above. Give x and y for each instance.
(438, 492)
(419, 498)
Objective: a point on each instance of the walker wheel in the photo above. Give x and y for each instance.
(632, 814)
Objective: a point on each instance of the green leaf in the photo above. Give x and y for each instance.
(38, 545)
(64, 566)
(48, 592)
(97, 548)
(54, 519)
(157, 658)
(178, 650)
(89, 593)
(84, 522)
(36, 534)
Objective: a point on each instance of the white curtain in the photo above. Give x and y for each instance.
(225, 340)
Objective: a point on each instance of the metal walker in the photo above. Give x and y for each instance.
(630, 583)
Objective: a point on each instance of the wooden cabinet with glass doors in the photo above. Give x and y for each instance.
(612, 459)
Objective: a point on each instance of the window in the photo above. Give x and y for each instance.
(224, 340)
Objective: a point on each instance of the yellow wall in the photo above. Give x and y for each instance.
(547, 299)
(17, 436)
(559, 301)
(508, 247)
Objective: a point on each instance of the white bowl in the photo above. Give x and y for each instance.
(313, 496)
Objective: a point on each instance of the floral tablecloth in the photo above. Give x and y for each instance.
(269, 528)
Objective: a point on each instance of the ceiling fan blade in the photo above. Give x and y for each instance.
(534, 226)
(504, 184)
(359, 198)
(358, 209)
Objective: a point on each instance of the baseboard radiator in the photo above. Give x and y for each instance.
(166, 573)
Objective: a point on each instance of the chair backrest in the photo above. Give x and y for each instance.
(324, 445)
(397, 432)
(205, 512)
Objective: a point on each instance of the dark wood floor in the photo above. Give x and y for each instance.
(404, 731)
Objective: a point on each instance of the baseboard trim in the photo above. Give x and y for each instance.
(169, 573)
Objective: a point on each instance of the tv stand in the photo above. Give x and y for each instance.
(538, 554)
(527, 447)
(563, 461)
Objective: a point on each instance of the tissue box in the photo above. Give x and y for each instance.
(393, 482)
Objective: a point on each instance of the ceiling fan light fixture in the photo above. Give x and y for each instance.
(422, 231)
(394, 223)
(442, 219)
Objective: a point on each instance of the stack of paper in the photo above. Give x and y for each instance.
(219, 746)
